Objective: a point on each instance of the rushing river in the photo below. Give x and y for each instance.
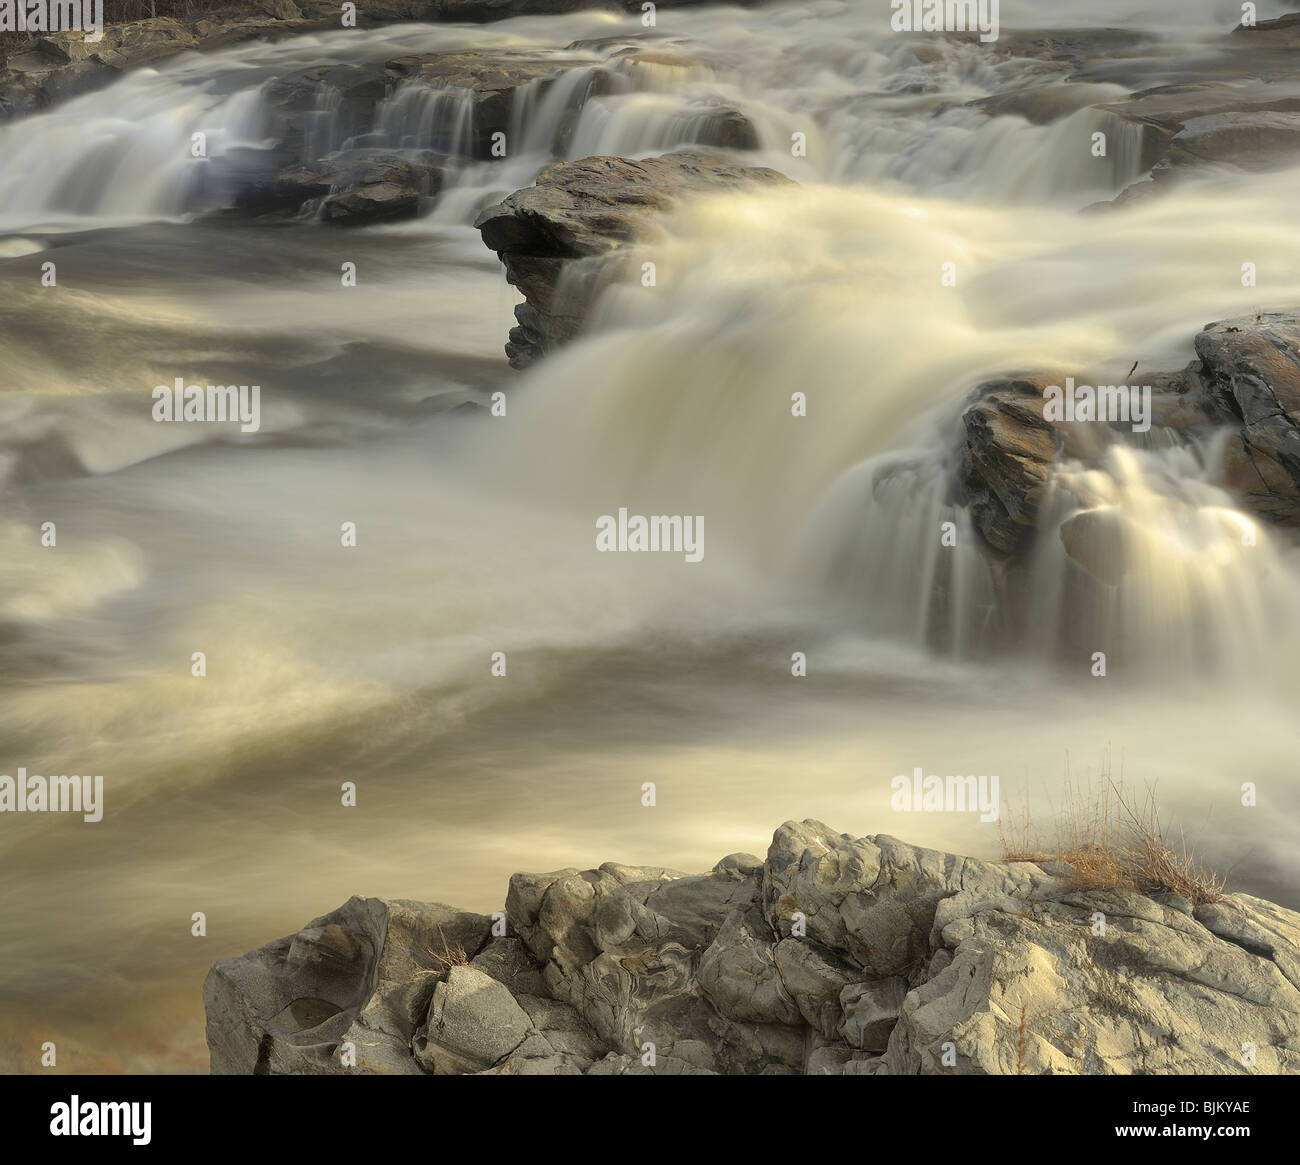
(371, 664)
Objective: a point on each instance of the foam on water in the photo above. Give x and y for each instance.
(476, 533)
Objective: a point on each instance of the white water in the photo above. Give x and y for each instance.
(824, 70)
(476, 534)
(858, 319)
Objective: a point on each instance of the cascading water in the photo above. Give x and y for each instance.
(475, 533)
(422, 118)
(1168, 577)
(130, 153)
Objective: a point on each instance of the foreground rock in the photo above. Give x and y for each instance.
(834, 956)
(560, 239)
(360, 974)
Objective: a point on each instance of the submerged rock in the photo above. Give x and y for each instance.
(1098, 541)
(1007, 454)
(557, 237)
(488, 82)
(350, 188)
(1189, 131)
(834, 956)
(1258, 141)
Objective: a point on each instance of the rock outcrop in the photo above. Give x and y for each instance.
(63, 64)
(1251, 370)
(350, 188)
(1246, 380)
(1006, 458)
(1276, 35)
(1248, 125)
(834, 956)
(562, 237)
(360, 974)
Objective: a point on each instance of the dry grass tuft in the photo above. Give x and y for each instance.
(1110, 840)
(453, 955)
(1158, 862)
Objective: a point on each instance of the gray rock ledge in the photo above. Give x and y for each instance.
(834, 956)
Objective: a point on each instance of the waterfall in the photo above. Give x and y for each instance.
(1140, 559)
(873, 108)
(849, 501)
(412, 511)
(418, 117)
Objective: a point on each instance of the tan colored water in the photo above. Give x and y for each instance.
(475, 535)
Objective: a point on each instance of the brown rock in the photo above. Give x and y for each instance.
(1006, 457)
(587, 211)
(1254, 368)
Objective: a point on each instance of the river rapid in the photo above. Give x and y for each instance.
(371, 664)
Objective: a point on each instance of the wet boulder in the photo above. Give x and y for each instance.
(1006, 456)
(1252, 366)
(350, 188)
(561, 239)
